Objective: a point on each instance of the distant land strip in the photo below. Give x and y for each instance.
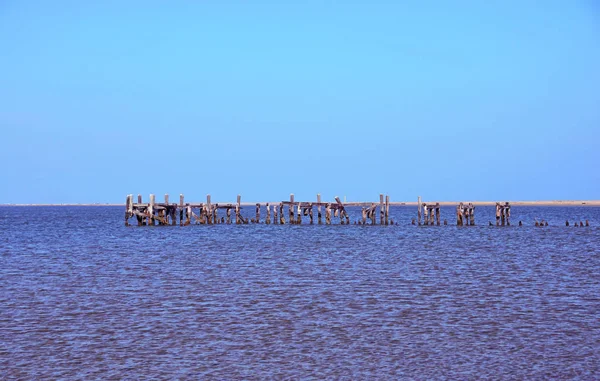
(362, 203)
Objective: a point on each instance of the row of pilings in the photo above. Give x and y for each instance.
(185, 213)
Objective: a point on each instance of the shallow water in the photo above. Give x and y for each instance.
(83, 297)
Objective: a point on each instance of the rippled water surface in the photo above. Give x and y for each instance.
(83, 297)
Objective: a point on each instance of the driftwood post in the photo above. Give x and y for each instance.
(387, 209)
(268, 218)
(381, 210)
(419, 209)
(319, 207)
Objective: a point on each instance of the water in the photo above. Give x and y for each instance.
(83, 297)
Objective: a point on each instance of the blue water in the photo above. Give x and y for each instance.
(84, 297)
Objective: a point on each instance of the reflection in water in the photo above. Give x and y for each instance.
(81, 296)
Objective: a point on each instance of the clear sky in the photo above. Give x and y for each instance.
(450, 100)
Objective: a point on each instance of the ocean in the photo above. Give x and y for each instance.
(84, 297)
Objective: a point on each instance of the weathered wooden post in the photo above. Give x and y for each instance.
(431, 211)
(140, 219)
(228, 213)
(268, 218)
(275, 218)
(281, 216)
(257, 218)
(214, 213)
(180, 209)
(328, 214)
(458, 216)
(497, 214)
(310, 213)
(291, 209)
(387, 209)
(364, 215)
(437, 213)
(419, 209)
(373, 213)
(151, 211)
(188, 214)
(425, 214)
(381, 210)
(209, 210)
(128, 208)
(319, 208)
(238, 217)
(167, 210)
(298, 214)
(507, 214)
(503, 215)
(472, 214)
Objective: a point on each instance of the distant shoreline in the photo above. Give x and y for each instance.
(360, 203)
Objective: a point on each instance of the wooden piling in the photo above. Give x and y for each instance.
(431, 216)
(298, 215)
(328, 214)
(128, 208)
(458, 216)
(181, 210)
(268, 218)
(425, 214)
(228, 213)
(310, 213)
(140, 219)
(215, 214)
(238, 216)
(419, 209)
(291, 209)
(437, 213)
(381, 210)
(281, 216)
(472, 214)
(497, 214)
(387, 209)
(507, 214)
(364, 215)
(319, 208)
(151, 211)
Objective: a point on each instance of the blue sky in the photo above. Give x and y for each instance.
(450, 100)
